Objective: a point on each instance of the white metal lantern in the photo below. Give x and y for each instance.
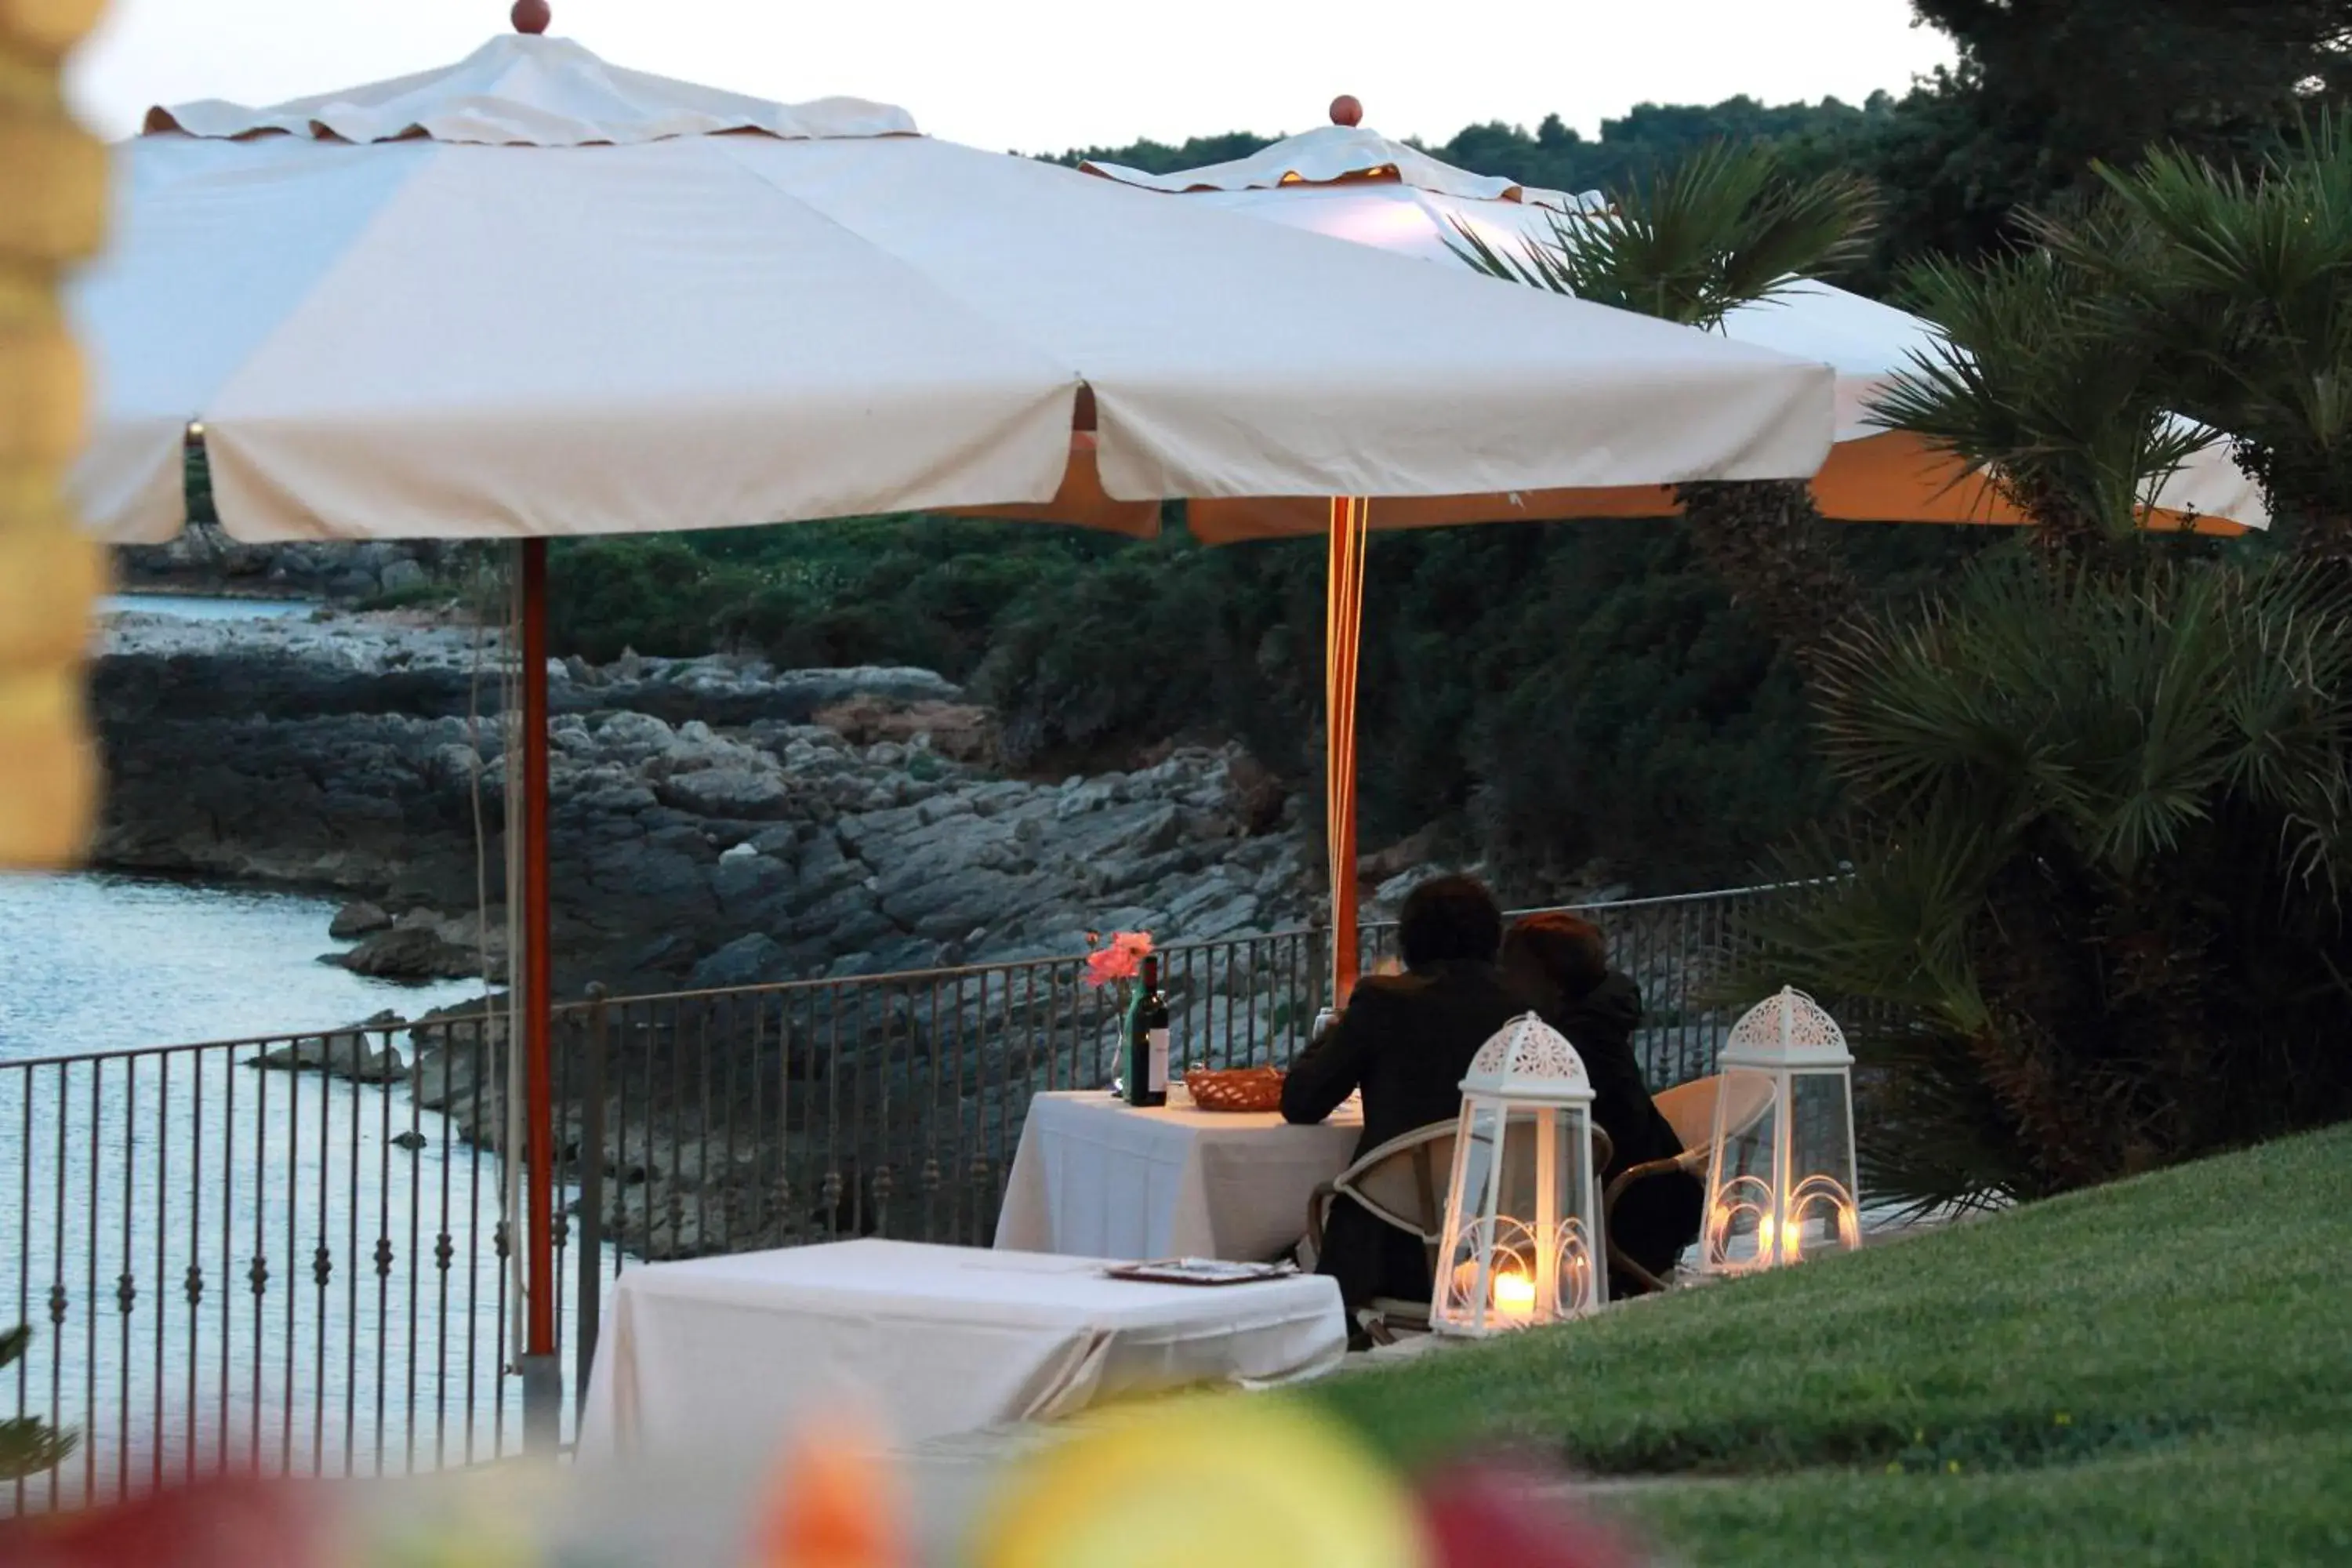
(1780, 1180)
(1523, 1242)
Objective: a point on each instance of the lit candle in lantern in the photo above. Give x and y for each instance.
(1522, 1211)
(1783, 1155)
(1515, 1295)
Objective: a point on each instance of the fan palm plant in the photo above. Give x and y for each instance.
(2093, 919)
(2242, 284)
(2035, 386)
(1725, 227)
(27, 1447)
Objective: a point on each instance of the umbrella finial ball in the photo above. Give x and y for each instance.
(532, 16)
(1347, 110)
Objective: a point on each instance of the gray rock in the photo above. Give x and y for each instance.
(665, 952)
(460, 1082)
(742, 793)
(753, 960)
(875, 830)
(410, 953)
(1091, 795)
(403, 578)
(824, 870)
(411, 1141)
(782, 843)
(657, 877)
(894, 956)
(358, 919)
(356, 1058)
(634, 734)
(847, 921)
(746, 878)
(460, 1065)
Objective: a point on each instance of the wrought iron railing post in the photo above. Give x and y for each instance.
(592, 1197)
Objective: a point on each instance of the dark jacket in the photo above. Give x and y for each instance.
(1658, 1217)
(1406, 1041)
(1600, 1026)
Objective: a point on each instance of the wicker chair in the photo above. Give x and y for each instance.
(1402, 1183)
(1690, 1110)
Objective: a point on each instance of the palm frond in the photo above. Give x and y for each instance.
(1725, 227)
(27, 1447)
(2034, 386)
(2240, 285)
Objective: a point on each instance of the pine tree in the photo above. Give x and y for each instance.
(28, 1446)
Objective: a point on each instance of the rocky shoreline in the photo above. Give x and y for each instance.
(715, 822)
(203, 560)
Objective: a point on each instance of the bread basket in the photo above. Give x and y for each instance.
(1236, 1088)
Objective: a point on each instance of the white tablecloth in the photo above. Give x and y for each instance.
(1094, 1177)
(722, 1352)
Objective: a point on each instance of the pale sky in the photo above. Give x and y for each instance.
(1046, 75)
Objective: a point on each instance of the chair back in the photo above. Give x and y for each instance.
(1689, 1107)
(1403, 1182)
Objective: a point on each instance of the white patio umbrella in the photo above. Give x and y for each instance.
(535, 295)
(1351, 184)
(532, 295)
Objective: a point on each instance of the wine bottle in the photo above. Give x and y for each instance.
(1147, 1041)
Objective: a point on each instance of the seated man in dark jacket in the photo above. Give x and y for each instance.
(1558, 962)
(1406, 1041)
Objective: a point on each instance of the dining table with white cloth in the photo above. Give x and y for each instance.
(1097, 1177)
(716, 1353)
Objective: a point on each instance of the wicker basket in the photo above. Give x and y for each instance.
(1238, 1089)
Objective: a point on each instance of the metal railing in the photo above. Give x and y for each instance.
(306, 1271)
(283, 1269)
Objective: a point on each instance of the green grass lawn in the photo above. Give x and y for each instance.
(2158, 1371)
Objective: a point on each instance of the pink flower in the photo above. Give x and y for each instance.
(1120, 960)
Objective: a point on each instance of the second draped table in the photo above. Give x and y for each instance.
(721, 1356)
(1094, 1177)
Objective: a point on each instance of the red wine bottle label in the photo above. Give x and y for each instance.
(1156, 1077)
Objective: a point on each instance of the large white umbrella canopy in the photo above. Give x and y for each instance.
(532, 294)
(1349, 182)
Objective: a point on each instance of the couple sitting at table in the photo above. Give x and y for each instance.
(1406, 1041)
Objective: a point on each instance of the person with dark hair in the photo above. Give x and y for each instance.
(1406, 1041)
(1560, 963)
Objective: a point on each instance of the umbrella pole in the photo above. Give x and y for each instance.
(542, 1389)
(1342, 627)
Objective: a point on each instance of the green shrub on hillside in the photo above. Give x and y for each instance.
(2096, 913)
(1561, 693)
